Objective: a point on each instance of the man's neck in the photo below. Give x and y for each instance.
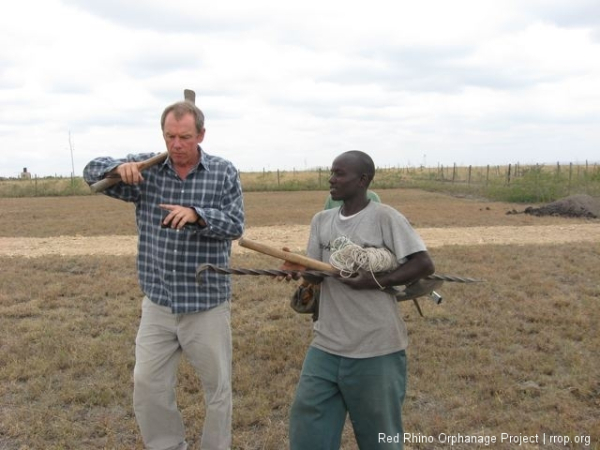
(354, 205)
(184, 169)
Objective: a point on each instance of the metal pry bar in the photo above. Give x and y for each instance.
(318, 273)
(420, 288)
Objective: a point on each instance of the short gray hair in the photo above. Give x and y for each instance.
(180, 109)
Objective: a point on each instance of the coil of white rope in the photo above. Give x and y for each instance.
(348, 257)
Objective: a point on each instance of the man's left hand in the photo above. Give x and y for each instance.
(363, 279)
(179, 216)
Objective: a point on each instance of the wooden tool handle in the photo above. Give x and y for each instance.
(105, 183)
(295, 258)
(189, 95)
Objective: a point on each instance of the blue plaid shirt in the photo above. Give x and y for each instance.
(167, 258)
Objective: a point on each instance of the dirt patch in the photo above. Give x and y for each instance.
(296, 236)
(573, 206)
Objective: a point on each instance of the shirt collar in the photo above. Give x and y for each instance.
(202, 162)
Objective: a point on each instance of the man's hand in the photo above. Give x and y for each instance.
(130, 172)
(179, 216)
(297, 267)
(290, 266)
(363, 279)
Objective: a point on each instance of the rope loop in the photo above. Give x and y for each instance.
(348, 258)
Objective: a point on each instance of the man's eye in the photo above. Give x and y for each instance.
(170, 137)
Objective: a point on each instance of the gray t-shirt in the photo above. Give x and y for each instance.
(360, 323)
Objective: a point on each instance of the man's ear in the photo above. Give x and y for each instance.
(364, 180)
(201, 135)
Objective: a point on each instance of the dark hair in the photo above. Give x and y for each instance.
(180, 109)
(364, 163)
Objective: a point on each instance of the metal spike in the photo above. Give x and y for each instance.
(318, 273)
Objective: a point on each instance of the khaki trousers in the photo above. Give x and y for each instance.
(205, 339)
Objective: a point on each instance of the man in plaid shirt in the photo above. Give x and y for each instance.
(188, 210)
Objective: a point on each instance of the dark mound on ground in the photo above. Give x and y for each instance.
(573, 206)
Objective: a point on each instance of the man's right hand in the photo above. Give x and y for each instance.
(130, 173)
(287, 265)
(290, 266)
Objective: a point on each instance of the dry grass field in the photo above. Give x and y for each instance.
(512, 358)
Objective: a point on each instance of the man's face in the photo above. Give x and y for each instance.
(345, 180)
(182, 139)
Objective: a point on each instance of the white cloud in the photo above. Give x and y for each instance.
(292, 85)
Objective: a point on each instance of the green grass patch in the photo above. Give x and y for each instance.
(519, 184)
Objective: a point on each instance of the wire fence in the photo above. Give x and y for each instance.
(512, 182)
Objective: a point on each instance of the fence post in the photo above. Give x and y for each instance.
(277, 177)
(453, 172)
(585, 178)
(469, 177)
(570, 178)
(508, 175)
(537, 182)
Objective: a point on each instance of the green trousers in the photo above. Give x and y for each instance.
(370, 390)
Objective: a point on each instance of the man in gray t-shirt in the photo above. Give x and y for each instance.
(356, 363)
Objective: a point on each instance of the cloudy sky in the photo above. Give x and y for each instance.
(289, 85)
